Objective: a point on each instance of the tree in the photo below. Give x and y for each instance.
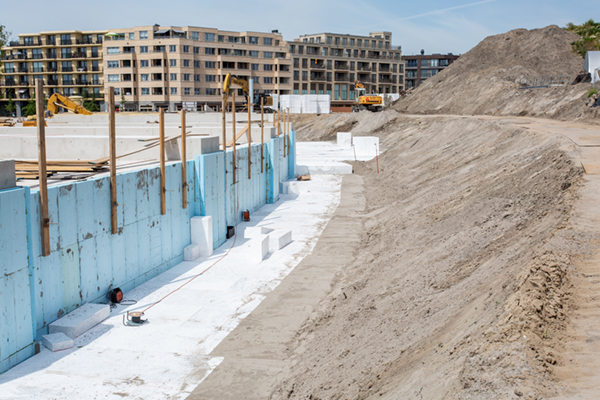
(10, 106)
(30, 108)
(4, 38)
(590, 37)
(91, 105)
(122, 101)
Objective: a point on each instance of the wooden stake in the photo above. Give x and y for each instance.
(278, 122)
(284, 133)
(262, 134)
(233, 123)
(112, 137)
(223, 112)
(163, 191)
(289, 128)
(40, 122)
(249, 142)
(183, 162)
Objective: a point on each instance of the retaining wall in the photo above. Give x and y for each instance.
(87, 260)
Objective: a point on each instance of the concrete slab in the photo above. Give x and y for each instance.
(57, 341)
(8, 178)
(80, 320)
(279, 239)
(344, 138)
(201, 229)
(366, 146)
(256, 231)
(209, 144)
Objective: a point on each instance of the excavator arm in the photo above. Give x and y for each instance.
(57, 101)
(230, 80)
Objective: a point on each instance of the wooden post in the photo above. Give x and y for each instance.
(289, 128)
(224, 115)
(277, 123)
(183, 162)
(161, 129)
(262, 134)
(284, 130)
(112, 135)
(41, 131)
(249, 142)
(234, 134)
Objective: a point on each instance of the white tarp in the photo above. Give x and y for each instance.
(592, 64)
(306, 103)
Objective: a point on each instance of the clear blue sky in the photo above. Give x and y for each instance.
(451, 26)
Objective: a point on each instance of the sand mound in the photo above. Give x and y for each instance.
(484, 81)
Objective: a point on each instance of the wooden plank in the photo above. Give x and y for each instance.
(249, 142)
(239, 135)
(32, 168)
(183, 162)
(278, 122)
(262, 134)
(106, 159)
(224, 140)
(161, 130)
(57, 162)
(233, 122)
(44, 218)
(113, 160)
(284, 132)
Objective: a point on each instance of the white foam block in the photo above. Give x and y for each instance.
(290, 187)
(202, 234)
(344, 138)
(191, 252)
(57, 341)
(80, 320)
(258, 248)
(279, 239)
(256, 231)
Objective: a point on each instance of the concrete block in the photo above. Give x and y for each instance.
(209, 144)
(201, 229)
(57, 341)
(191, 252)
(80, 320)
(258, 248)
(290, 187)
(8, 178)
(172, 151)
(367, 147)
(256, 231)
(279, 239)
(344, 138)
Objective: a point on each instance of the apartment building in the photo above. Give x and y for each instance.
(330, 63)
(69, 63)
(154, 67)
(420, 67)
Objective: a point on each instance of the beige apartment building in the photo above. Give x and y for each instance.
(154, 67)
(329, 63)
(69, 63)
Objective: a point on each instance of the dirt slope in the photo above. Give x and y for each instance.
(460, 289)
(484, 80)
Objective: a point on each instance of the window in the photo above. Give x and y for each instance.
(434, 63)
(145, 91)
(267, 79)
(252, 39)
(113, 78)
(344, 41)
(351, 42)
(267, 67)
(305, 63)
(411, 63)
(144, 77)
(336, 92)
(210, 78)
(186, 49)
(157, 91)
(268, 41)
(296, 75)
(143, 63)
(253, 53)
(112, 50)
(444, 62)
(209, 64)
(424, 63)
(196, 63)
(337, 41)
(304, 75)
(197, 91)
(196, 49)
(143, 49)
(209, 37)
(267, 54)
(292, 48)
(209, 51)
(172, 48)
(113, 64)
(186, 91)
(221, 38)
(143, 35)
(254, 67)
(186, 63)
(194, 35)
(131, 35)
(324, 51)
(211, 92)
(172, 63)
(173, 90)
(173, 77)
(186, 77)
(373, 43)
(328, 39)
(344, 92)
(196, 77)
(117, 91)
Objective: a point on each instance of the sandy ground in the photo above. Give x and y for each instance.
(474, 277)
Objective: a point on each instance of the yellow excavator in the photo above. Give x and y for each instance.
(231, 80)
(56, 100)
(364, 101)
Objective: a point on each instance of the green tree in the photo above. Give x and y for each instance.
(4, 38)
(122, 101)
(91, 105)
(10, 106)
(590, 37)
(30, 108)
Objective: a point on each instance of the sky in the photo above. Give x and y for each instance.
(436, 26)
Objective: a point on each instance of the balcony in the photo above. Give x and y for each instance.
(9, 70)
(38, 69)
(68, 82)
(9, 83)
(80, 55)
(317, 77)
(16, 57)
(66, 42)
(95, 82)
(23, 70)
(86, 41)
(51, 55)
(23, 83)
(66, 55)
(67, 69)
(37, 56)
(82, 82)
(52, 69)
(365, 68)
(52, 82)
(317, 66)
(341, 66)
(96, 69)
(82, 69)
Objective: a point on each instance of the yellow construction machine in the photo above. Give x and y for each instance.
(232, 80)
(364, 101)
(56, 100)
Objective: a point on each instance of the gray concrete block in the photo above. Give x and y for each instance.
(80, 320)
(8, 179)
(57, 341)
(191, 252)
(209, 144)
(279, 239)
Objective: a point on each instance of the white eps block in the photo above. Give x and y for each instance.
(57, 341)
(344, 138)
(256, 231)
(290, 187)
(366, 147)
(202, 238)
(279, 239)
(80, 320)
(258, 248)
